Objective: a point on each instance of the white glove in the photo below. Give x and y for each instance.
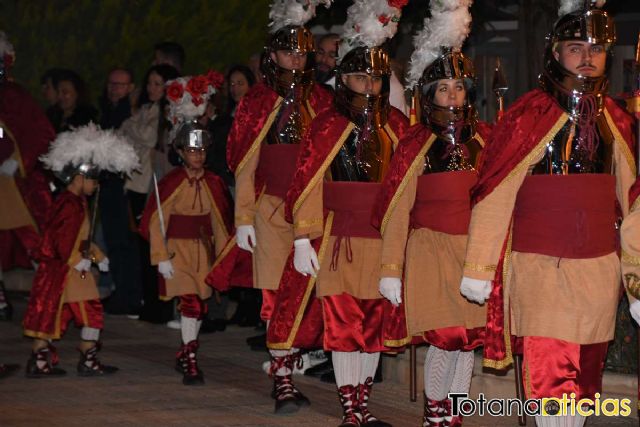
(475, 290)
(104, 265)
(83, 265)
(634, 308)
(9, 167)
(391, 289)
(305, 259)
(246, 237)
(166, 269)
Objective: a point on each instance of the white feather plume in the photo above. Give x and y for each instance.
(369, 23)
(90, 144)
(293, 12)
(6, 48)
(570, 6)
(448, 26)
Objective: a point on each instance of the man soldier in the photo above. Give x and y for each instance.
(64, 288)
(423, 212)
(189, 219)
(553, 184)
(261, 151)
(344, 156)
(25, 134)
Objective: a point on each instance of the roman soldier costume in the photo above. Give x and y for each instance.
(261, 151)
(344, 156)
(188, 221)
(423, 213)
(553, 185)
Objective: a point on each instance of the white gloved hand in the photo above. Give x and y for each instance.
(104, 265)
(305, 259)
(166, 269)
(246, 237)
(475, 290)
(391, 289)
(634, 308)
(83, 265)
(9, 167)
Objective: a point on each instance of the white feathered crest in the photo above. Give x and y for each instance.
(369, 23)
(6, 48)
(90, 144)
(570, 6)
(293, 12)
(448, 26)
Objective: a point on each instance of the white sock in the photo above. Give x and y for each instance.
(89, 334)
(462, 375)
(439, 369)
(347, 367)
(281, 353)
(369, 364)
(578, 420)
(189, 326)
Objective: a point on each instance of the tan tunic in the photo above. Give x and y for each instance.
(274, 235)
(76, 288)
(569, 299)
(630, 242)
(359, 277)
(433, 269)
(14, 213)
(190, 259)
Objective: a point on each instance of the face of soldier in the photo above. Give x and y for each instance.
(194, 158)
(450, 93)
(289, 59)
(581, 58)
(363, 83)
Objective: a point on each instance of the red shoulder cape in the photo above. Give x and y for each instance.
(57, 243)
(170, 183)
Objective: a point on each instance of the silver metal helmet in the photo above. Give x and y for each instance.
(88, 170)
(192, 134)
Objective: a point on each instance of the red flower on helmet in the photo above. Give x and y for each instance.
(398, 3)
(175, 91)
(197, 86)
(215, 78)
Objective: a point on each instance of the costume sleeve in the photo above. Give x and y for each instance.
(156, 242)
(245, 207)
(490, 220)
(394, 239)
(308, 219)
(63, 233)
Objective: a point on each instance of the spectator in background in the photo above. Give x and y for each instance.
(48, 83)
(326, 55)
(73, 107)
(119, 239)
(170, 53)
(254, 65)
(146, 130)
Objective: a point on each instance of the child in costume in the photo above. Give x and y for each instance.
(64, 288)
(190, 218)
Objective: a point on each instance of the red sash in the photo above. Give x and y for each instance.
(189, 226)
(443, 202)
(352, 204)
(277, 166)
(571, 216)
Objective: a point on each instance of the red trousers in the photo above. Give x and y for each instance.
(268, 303)
(83, 313)
(552, 367)
(193, 306)
(454, 338)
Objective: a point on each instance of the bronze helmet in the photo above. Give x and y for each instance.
(457, 124)
(594, 26)
(290, 38)
(374, 109)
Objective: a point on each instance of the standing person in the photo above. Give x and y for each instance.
(24, 191)
(326, 56)
(344, 156)
(115, 102)
(169, 53)
(73, 108)
(193, 221)
(261, 151)
(48, 83)
(64, 288)
(553, 183)
(423, 212)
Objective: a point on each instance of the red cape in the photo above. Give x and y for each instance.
(169, 184)
(532, 120)
(58, 241)
(297, 315)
